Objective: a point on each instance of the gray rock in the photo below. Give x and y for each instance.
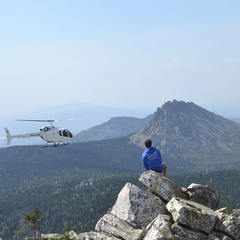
(191, 214)
(159, 228)
(204, 195)
(51, 236)
(95, 236)
(161, 186)
(137, 207)
(116, 227)
(212, 236)
(221, 236)
(229, 224)
(185, 233)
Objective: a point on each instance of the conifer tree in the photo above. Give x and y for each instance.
(35, 222)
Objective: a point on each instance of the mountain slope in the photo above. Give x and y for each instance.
(192, 136)
(114, 128)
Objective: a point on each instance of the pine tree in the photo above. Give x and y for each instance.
(35, 222)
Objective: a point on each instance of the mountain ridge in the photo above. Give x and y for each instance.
(114, 128)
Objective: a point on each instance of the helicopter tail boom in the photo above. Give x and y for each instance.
(8, 135)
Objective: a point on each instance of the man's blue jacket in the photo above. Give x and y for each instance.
(151, 159)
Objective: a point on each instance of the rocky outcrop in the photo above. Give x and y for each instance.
(136, 206)
(205, 195)
(192, 215)
(161, 186)
(161, 211)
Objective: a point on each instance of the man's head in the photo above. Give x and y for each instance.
(148, 143)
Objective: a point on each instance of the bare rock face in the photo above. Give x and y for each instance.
(181, 232)
(95, 236)
(136, 206)
(160, 228)
(114, 226)
(161, 186)
(192, 215)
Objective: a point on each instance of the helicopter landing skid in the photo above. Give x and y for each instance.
(53, 144)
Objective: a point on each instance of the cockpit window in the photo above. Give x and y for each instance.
(70, 134)
(65, 133)
(45, 129)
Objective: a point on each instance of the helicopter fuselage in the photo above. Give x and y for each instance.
(55, 134)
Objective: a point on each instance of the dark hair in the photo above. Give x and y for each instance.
(148, 143)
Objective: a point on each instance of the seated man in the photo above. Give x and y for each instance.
(152, 160)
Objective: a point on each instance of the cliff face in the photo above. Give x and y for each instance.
(162, 210)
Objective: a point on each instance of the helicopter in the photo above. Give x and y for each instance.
(58, 136)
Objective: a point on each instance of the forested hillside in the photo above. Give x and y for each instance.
(78, 204)
(114, 128)
(20, 166)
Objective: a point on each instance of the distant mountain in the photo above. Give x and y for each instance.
(114, 128)
(191, 136)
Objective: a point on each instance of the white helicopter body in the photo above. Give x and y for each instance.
(50, 134)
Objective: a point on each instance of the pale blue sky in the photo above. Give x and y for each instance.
(130, 54)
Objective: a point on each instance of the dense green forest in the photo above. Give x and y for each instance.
(78, 204)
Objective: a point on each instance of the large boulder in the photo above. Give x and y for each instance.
(116, 227)
(205, 195)
(161, 186)
(137, 207)
(95, 236)
(192, 215)
(160, 228)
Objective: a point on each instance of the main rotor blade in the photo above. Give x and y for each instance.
(31, 120)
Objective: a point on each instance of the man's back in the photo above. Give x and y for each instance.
(152, 159)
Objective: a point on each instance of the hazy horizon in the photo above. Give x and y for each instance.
(122, 54)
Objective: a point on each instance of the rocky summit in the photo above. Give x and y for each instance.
(161, 210)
